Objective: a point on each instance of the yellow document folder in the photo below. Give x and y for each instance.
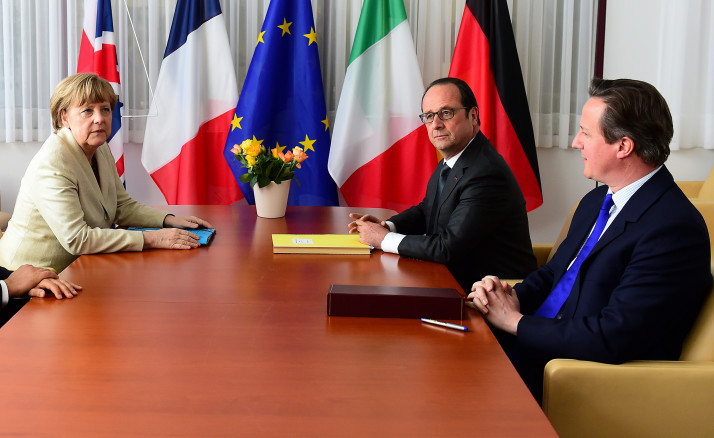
(319, 244)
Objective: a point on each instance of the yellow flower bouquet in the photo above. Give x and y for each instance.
(265, 166)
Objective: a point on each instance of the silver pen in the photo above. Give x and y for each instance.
(445, 324)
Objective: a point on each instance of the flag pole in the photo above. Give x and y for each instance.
(143, 63)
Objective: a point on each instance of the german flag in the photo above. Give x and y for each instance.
(486, 58)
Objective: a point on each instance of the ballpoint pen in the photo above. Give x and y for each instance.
(445, 324)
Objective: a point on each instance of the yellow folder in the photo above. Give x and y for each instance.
(319, 244)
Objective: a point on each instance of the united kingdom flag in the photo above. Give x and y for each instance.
(98, 55)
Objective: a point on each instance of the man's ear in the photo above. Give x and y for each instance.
(625, 147)
(474, 112)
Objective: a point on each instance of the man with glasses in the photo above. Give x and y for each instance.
(457, 218)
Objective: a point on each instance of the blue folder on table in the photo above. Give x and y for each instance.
(204, 234)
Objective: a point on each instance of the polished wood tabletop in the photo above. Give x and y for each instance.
(233, 340)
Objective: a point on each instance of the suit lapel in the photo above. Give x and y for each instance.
(632, 212)
(636, 207)
(431, 194)
(106, 175)
(579, 232)
(460, 168)
(454, 177)
(86, 173)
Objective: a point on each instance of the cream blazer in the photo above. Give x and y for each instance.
(62, 212)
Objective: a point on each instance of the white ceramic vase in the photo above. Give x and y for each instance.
(271, 200)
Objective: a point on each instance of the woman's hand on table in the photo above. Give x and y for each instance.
(170, 238)
(171, 221)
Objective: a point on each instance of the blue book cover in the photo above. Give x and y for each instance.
(204, 234)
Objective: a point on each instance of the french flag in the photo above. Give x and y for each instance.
(192, 110)
(98, 55)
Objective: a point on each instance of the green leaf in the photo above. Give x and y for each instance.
(263, 181)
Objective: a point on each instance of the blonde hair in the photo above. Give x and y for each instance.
(79, 89)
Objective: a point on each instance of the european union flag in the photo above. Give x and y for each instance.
(283, 103)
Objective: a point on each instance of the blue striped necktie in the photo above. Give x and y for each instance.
(552, 305)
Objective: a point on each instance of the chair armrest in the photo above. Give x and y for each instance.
(691, 189)
(513, 282)
(639, 398)
(542, 251)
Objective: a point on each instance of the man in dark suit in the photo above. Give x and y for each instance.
(454, 221)
(637, 290)
(35, 282)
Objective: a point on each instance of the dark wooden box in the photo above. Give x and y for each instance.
(394, 302)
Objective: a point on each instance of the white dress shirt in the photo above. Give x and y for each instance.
(619, 200)
(391, 241)
(5, 293)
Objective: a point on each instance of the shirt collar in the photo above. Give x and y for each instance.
(451, 162)
(624, 194)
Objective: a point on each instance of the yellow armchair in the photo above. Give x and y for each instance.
(640, 398)
(699, 189)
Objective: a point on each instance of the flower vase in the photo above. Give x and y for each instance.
(271, 200)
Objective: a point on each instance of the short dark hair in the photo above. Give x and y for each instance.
(635, 109)
(468, 99)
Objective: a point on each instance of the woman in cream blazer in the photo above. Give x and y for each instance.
(71, 195)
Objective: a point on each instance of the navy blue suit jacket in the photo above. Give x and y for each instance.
(638, 292)
(481, 206)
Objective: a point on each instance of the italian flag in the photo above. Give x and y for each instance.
(381, 155)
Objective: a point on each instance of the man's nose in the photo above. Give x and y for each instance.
(437, 122)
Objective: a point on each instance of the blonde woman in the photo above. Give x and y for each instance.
(71, 195)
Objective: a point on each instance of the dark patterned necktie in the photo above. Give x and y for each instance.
(442, 179)
(443, 176)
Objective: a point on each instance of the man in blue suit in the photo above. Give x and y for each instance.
(636, 291)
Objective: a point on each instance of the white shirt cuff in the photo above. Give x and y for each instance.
(391, 242)
(391, 226)
(5, 293)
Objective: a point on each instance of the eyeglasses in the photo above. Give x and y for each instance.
(444, 114)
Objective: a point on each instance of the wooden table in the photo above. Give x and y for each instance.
(233, 340)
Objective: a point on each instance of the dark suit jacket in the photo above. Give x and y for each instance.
(481, 207)
(4, 273)
(638, 292)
